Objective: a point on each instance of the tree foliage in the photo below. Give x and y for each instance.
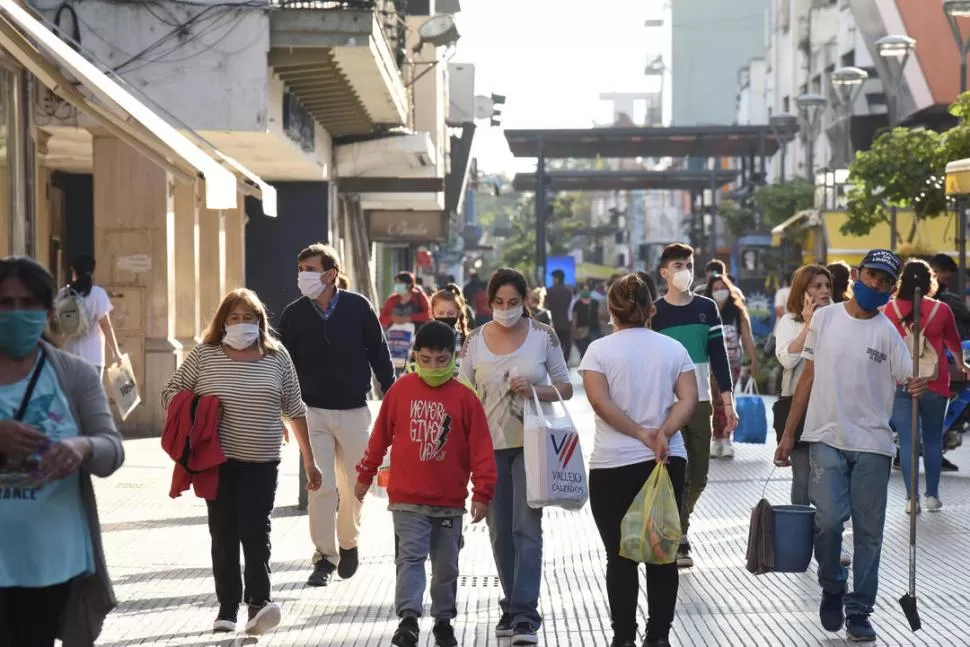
(570, 212)
(775, 202)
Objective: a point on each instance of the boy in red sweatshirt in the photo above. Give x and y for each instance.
(438, 435)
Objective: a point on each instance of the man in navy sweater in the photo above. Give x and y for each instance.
(335, 340)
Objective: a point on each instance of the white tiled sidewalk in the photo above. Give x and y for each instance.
(158, 551)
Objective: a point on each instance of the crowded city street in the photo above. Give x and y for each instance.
(158, 553)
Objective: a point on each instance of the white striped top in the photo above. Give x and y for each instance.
(254, 395)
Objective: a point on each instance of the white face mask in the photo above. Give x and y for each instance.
(507, 318)
(241, 336)
(311, 284)
(721, 296)
(682, 280)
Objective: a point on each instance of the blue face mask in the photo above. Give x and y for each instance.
(868, 298)
(20, 330)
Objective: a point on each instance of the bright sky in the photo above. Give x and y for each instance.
(552, 59)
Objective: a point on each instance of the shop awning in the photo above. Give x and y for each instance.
(594, 271)
(958, 177)
(123, 115)
(798, 222)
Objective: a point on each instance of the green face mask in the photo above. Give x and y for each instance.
(435, 377)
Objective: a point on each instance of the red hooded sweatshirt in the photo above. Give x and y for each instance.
(438, 438)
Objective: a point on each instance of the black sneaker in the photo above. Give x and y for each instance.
(623, 642)
(662, 642)
(684, 560)
(226, 620)
(504, 627)
(525, 634)
(263, 617)
(949, 467)
(444, 634)
(348, 563)
(830, 611)
(322, 573)
(407, 633)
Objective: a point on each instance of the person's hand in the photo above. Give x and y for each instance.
(661, 449)
(360, 490)
(730, 418)
(17, 439)
(479, 509)
(314, 479)
(808, 309)
(917, 386)
(520, 386)
(753, 368)
(783, 452)
(64, 458)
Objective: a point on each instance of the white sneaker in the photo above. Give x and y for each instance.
(224, 626)
(268, 617)
(846, 560)
(909, 506)
(933, 504)
(717, 448)
(727, 448)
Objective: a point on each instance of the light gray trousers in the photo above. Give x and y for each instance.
(417, 536)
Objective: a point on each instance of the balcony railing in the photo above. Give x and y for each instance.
(390, 14)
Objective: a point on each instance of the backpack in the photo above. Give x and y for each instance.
(929, 360)
(71, 319)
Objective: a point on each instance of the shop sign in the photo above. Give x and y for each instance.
(387, 226)
(136, 263)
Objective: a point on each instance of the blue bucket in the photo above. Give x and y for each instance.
(794, 532)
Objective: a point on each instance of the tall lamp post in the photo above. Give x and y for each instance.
(785, 127)
(847, 82)
(810, 110)
(955, 9)
(895, 50)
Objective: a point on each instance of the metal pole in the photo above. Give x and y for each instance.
(961, 203)
(541, 216)
(714, 210)
(810, 155)
(784, 152)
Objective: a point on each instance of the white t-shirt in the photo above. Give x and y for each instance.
(641, 368)
(858, 363)
(786, 331)
(91, 346)
(781, 297)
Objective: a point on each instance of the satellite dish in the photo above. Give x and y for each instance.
(439, 31)
(484, 107)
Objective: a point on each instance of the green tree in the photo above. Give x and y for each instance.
(775, 202)
(904, 168)
(570, 213)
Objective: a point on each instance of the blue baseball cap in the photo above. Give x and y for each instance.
(882, 259)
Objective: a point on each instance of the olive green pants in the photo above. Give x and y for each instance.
(697, 439)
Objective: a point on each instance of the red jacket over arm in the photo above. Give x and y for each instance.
(191, 439)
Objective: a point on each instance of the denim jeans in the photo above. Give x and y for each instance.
(849, 485)
(416, 536)
(516, 533)
(932, 412)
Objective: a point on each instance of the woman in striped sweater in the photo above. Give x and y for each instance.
(253, 376)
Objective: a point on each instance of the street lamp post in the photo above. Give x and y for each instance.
(895, 50)
(955, 9)
(847, 82)
(810, 110)
(785, 127)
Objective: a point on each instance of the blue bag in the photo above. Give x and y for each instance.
(752, 420)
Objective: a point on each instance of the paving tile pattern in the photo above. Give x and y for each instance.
(158, 552)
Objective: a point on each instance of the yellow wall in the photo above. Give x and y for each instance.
(936, 235)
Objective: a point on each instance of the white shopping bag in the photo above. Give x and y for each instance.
(122, 387)
(555, 475)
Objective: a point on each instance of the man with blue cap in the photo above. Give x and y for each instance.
(854, 360)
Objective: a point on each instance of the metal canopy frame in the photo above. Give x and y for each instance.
(674, 141)
(627, 180)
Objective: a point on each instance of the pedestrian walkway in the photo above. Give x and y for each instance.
(158, 551)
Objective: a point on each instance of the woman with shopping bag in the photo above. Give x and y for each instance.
(56, 432)
(642, 388)
(503, 360)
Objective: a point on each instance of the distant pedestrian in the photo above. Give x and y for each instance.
(56, 432)
(336, 341)
(429, 479)
(695, 322)
(642, 387)
(408, 304)
(854, 358)
(252, 375)
(504, 360)
(559, 300)
(842, 277)
(537, 298)
(96, 332)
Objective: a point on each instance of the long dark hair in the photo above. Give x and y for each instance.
(734, 302)
(83, 267)
(916, 274)
(513, 277)
(841, 273)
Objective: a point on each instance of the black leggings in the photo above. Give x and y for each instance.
(30, 617)
(611, 491)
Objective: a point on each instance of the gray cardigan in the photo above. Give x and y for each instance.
(91, 598)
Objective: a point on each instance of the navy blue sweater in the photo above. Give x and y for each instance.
(334, 357)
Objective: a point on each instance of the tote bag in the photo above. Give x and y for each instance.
(555, 474)
(122, 387)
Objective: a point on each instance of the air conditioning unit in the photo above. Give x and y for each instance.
(461, 90)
